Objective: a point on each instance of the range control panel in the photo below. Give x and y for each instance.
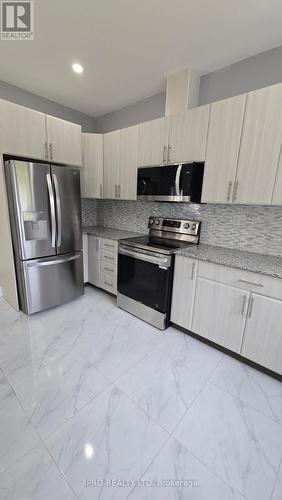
(174, 225)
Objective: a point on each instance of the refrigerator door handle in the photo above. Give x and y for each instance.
(52, 209)
(59, 210)
(52, 262)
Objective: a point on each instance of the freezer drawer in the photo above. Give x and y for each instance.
(49, 282)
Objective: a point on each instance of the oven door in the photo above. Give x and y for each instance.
(145, 277)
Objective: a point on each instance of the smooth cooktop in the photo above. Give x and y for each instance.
(162, 245)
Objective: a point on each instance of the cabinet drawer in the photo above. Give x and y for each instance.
(109, 257)
(253, 282)
(108, 283)
(110, 245)
(108, 268)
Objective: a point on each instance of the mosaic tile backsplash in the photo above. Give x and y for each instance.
(251, 228)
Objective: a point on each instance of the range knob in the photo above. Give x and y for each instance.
(157, 222)
(151, 221)
(186, 225)
(193, 227)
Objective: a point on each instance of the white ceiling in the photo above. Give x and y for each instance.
(127, 47)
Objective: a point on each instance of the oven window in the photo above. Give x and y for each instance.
(145, 282)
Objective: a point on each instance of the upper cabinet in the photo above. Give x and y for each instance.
(260, 146)
(128, 154)
(22, 131)
(153, 142)
(188, 135)
(92, 163)
(111, 164)
(277, 193)
(120, 163)
(64, 141)
(28, 133)
(224, 135)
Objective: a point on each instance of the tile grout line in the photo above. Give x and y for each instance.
(244, 403)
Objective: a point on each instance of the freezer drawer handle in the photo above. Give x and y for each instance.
(52, 209)
(59, 209)
(52, 262)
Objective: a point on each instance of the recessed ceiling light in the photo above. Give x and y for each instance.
(77, 68)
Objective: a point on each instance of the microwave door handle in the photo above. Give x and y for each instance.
(177, 180)
(59, 209)
(52, 210)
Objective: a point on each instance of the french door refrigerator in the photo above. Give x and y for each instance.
(45, 214)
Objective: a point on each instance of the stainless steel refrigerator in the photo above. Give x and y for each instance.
(45, 214)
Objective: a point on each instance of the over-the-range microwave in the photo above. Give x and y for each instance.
(177, 183)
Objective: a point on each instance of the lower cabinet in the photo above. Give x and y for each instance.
(94, 260)
(184, 282)
(221, 304)
(263, 335)
(102, 263)
(220, 313)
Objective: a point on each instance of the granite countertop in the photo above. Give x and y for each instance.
(267, 265)
(110, 233)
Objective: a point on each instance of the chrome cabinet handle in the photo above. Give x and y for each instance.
(109, 270)
(97, 245)
(101, 191)
(229, 191)
(164, 154)
(118, 190)
(109, 258)
(115, 190)
(251, 306)
(168, 151)
(46, 150)
(235, 190)
(251, 283)
(52, 210)
(108, 284)
(192, 271)
(51, 151)
(59, 209)
(243, 305)
(108, 245)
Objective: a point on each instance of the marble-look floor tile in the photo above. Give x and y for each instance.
(116, 345)
(238, 443)
(277, 491)
(251, 386)
(17, 435)
(54, 393)
(191, 353)
(164, 389)
(110, 438)
(34, 477)
(189, 478)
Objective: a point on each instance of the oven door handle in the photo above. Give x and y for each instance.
(147, 258)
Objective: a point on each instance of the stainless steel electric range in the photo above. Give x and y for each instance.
(146, 265)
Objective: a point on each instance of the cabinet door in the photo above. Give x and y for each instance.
(128, 154)
(94, 260)
(263, 336)
(92, 166)
(22, 131)
(153, 141)
(185, 274)
(220, 313)
(111, 164)
(85, 257)
(260, 146)
(277, 193)
(225, 128)
(64, 141)
(188, 135)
